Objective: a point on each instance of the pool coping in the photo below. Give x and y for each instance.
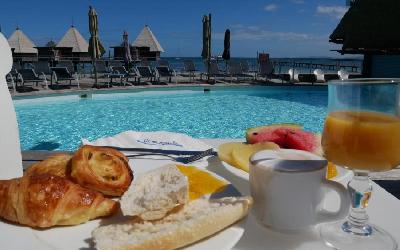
(125, 89)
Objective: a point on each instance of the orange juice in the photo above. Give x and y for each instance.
(362, 140)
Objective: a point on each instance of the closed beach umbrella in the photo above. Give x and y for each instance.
(127, 49)
(226, 55)
(206, 53)
(96, 50)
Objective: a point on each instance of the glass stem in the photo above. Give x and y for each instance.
(360, 189)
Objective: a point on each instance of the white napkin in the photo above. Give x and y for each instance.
(152, 140)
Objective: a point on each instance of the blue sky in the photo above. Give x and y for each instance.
(284, 28)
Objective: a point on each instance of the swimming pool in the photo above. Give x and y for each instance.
(59, 122)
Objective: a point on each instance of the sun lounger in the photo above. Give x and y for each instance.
(10, 80)
(235, 70)
(163, 63)
(267, 70)
(164, 71)
(67, 64)
(29, 75)
(214, 71)
(42, 67)
(16, 66)
(344, 75)
(296, 76)
(189, 68)
(115, 63)
(102, 68)
(121, 73)
(306, 77)
(144, 72)
(63, 74)
(324, 77)
(145, 63)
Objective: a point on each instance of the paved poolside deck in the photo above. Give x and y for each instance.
(86, 84)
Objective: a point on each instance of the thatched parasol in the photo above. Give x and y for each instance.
(369, 25)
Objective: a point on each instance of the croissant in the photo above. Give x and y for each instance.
(102, 169)
(47, 200)
(58, 164)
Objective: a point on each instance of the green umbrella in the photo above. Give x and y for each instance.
(96, 50)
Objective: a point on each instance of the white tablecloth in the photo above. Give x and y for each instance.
(384, 210)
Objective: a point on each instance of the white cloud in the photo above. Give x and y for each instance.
(271, 7)
(255, 33)
(332, 11)
(298, 1)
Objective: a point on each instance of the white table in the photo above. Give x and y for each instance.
(384, 210)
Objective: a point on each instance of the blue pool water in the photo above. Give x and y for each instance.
(59, 123)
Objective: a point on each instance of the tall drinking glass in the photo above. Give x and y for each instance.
(361, 133)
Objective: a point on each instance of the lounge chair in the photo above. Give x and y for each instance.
(214, 71)
(29, 75)
(121, 73)
(189, 68)
(42, 67)
(67, 64)
(102, 68)
(267, 70)
(344, 75)
(10, 80)
(235, 70)
(306, 77)
(145, 63)
(115, 63)
(164, 71)
(296, 76)
(16, 66)
(63, 74)
(163, 63)
(145, 72)
(324, 77)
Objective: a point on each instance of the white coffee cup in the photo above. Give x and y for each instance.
(289, 187)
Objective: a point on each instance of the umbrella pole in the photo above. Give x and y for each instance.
(95, 74)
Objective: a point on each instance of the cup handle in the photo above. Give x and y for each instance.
(327, 216)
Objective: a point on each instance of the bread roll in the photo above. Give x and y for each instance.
(102, 169)
(197, 220)
(153, 194)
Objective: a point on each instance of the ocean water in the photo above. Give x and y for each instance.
(177, 63)
(59, 123)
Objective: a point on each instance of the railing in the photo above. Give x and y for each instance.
(311, 66)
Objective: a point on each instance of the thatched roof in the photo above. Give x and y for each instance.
(74, 39)
(146, 38)
(369, 25)
(21, 43)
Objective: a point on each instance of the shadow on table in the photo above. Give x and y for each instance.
(392, 186)
(46, 145)
(216, 166)
(258, 237)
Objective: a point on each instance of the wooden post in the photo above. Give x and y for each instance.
(367, 64)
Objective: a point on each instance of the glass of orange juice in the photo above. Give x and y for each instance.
(361, 133)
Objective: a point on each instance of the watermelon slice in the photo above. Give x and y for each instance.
(290, 136)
